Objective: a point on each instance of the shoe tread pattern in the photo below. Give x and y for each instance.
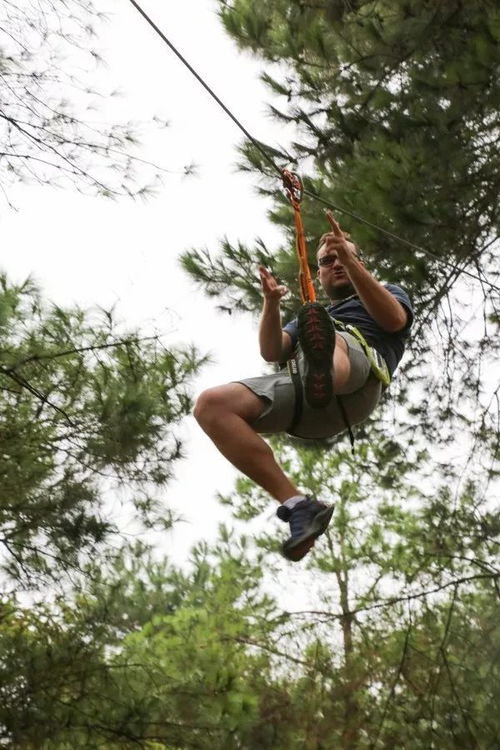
(317, 341)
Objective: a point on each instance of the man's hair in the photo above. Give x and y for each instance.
(346, 235)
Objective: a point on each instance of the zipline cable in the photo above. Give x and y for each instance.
(206, 86)
(399, 239)
(272, 163)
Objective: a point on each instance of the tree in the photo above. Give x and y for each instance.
(142, 654)
(386, 101)
(406, 577)
(48, 124)
(395, 107)
(85, 409)
(395, 111)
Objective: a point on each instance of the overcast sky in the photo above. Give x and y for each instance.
(93, 251)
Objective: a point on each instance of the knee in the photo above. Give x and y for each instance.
(208, 406)
(223, 402)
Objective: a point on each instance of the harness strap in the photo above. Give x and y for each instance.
(295, 190)
(341, 406)
(293, 371)
(377, 362)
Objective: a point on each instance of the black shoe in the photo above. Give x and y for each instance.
(308, 520)
(317, 341)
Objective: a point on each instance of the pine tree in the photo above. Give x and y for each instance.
(87, 411)
(395, 106)
(48, 125)
(395, 112)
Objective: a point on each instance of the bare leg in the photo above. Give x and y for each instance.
(341, 363)
(224, 414)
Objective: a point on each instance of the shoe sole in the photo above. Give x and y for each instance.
(298, 548)
(317, 341)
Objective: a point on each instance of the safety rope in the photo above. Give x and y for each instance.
(294, 190)
(310, 194)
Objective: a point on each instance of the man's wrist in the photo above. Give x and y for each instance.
(351, 261)
(272, 303)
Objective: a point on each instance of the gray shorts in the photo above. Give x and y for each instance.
(360, 396)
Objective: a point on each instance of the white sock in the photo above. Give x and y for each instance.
(292, 501)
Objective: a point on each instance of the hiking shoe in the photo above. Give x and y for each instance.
(317, 341)
(308, 520)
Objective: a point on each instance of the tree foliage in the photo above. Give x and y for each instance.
(149, 656)
(396, 104)
(85, 409)
(400, 584)
(143, 654)
(51, 125)
(395, 112)
(397, 645)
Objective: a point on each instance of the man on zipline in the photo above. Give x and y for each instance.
(336, 378)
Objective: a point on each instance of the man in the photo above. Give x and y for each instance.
(338, 385)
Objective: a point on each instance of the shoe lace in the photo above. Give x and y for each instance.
(299, 518)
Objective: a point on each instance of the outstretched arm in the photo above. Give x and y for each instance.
(384, 308)
(275, 344)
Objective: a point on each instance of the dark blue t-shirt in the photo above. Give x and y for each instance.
(351, 310)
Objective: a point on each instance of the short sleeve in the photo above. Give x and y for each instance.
(292, 329)
(404, 299)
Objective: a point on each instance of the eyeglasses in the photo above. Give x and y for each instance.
(327, 260)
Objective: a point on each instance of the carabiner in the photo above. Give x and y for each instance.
(293, 186)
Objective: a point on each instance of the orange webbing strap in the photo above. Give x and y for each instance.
(293, 187)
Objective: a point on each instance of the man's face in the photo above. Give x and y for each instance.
(331, 274)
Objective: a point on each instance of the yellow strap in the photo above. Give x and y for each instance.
(377, 362)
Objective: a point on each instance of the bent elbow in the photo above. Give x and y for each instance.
(396, 324)
(270, 358)
(273, 356)
(267, 356)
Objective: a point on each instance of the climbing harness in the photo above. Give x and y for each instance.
(378, 364)
(294, 191)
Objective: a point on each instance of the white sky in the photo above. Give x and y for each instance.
(93, 251)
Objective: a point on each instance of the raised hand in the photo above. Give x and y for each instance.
(339, 241)
(273, 292)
